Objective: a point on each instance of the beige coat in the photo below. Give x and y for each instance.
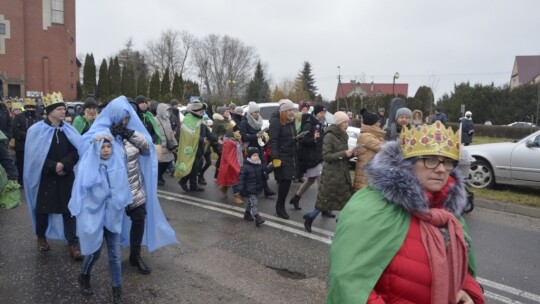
(370, 139)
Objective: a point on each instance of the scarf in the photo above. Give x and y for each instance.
(255, 123)
(447, 253)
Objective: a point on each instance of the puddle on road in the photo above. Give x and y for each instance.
(288, 273)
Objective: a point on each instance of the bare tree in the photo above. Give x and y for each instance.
(225, 65)
(170, 51)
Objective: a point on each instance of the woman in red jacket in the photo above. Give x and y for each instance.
(402, 239)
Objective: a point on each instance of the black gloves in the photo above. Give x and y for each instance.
(127, 133)
(117, 129)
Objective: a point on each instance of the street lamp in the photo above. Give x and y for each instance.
(396, 76)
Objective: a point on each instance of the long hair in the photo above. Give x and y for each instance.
(283, 118)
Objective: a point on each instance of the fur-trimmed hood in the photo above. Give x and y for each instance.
(393, 175)
(217, 116)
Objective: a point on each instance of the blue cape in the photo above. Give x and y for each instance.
(99, 194)
(158, 232)
(38, 138)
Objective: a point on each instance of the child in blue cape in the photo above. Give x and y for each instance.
(99, 198)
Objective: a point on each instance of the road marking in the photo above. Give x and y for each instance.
(299, 230)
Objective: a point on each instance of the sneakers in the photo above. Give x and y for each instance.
(258, 220)
(75, 252)
(248, 217)
(42, 244)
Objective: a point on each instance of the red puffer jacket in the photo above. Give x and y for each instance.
(407, 279)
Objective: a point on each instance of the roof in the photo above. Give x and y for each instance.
(528, 68)
(370, 89)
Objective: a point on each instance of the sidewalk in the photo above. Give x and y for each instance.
(508, 207)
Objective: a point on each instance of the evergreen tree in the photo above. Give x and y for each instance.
(423, 100)
(103, 83)
(115, 80)
(155, 86)
(258, 89)
(79, 90)
(191, 88)
(89, 75)
(128, 82)
(178, 87)
(306, 82)
(142, 84)
(165, 87)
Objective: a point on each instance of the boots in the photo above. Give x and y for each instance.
(42, 244)
(258, 220)
(135, 259)
(117, 295)
(202, 181)
(307, 222)
(84, 285)
(237, 199)
(296, 202)
(75, 252)
(280, 212)
(248, 217)
(224, 190)
(328, 214)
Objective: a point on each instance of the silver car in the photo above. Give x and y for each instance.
(512, 163)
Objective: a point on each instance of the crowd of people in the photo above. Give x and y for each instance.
(401, 206)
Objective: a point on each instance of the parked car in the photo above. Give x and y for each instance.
(513, 163)
(353, 133)
(522, 124)
(74, 108)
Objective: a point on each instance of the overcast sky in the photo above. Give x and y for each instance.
(434, 43)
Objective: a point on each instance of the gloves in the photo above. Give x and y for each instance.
(276, 163)
(117, 129)
(127, 133)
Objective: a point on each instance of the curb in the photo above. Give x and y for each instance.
(508, 207)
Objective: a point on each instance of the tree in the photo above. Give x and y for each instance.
(89, 75)
(278, 94)
(423, 100)
(178, 87)
(129, 57)
(79, 90)
(306, 82)
(224, 65)
(155, 86)
(103, 83)
(170, 51)
(142, 84)
(128, 82)
(191, 88)
(258, 89)
(115, 80)
(165, 87)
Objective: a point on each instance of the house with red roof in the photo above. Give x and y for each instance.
(526, 71)
(370, 89)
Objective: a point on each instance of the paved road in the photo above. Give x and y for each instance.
(224, 259)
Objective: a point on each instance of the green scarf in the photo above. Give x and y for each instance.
(148, 116)
(79, 123)
(190, 132)
(368, 235)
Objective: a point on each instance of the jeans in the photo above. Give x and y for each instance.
(114, 253)
(314, 213)
(252, 205)
(70, 227)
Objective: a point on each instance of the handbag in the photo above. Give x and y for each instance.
(159, 151)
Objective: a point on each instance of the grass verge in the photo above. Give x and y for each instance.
(512, 194)
(478, 140)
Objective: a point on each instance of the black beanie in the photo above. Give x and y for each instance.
(318, 108)
(368, 118)
(90, 102)
(140, 99)
(251, 151)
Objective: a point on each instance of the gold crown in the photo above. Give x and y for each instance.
(30, 102)
(50, 99)
(432, 139)
(16, 105)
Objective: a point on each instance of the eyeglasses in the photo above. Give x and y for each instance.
(433, 162)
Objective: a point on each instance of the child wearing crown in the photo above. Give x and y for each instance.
(403, 239)
(98, 201)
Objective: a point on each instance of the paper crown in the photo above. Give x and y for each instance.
(432, 139)
(31, 102)
(50, 99)
(16, 105)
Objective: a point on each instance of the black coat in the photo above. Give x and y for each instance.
(467, 130)
(7, 162)
(283, 147)
(310, 151)
(21, 123)
(251, 178)
(54, 190)
(5, 121)
(249, 135)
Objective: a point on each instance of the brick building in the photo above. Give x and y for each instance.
(38, 48)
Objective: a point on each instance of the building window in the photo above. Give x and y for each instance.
(2, 28)
(57, 10)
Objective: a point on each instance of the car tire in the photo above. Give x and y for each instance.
(481, 175)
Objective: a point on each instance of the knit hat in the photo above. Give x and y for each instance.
(285, 105)
(197, 106)
(239, 110)
(90, 102)
(140, 99)
(368, 118)
(221, 110)
(302, 105)
(235, 128)
(403, 111)
(253, 107)
(173, 102)
(468, 113)
(232, 106)
(251, 151)
(318, 108)
(340, 117)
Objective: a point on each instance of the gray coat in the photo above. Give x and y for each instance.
(167, 134)
(133, 147)
(336, 187)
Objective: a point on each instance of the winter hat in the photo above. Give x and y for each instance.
(140, 99)
(173, 102)
(381, 110)
(340, 117)
(285, 105)
(232, 106)
(251, 151)
(197, 106)
(403, 111)
(318, 108)
(239, 110)
(302, 105)
(90, 102)
(368, 118)
(235, 128)
(253, 107)
(221, 110)
(468, 113)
